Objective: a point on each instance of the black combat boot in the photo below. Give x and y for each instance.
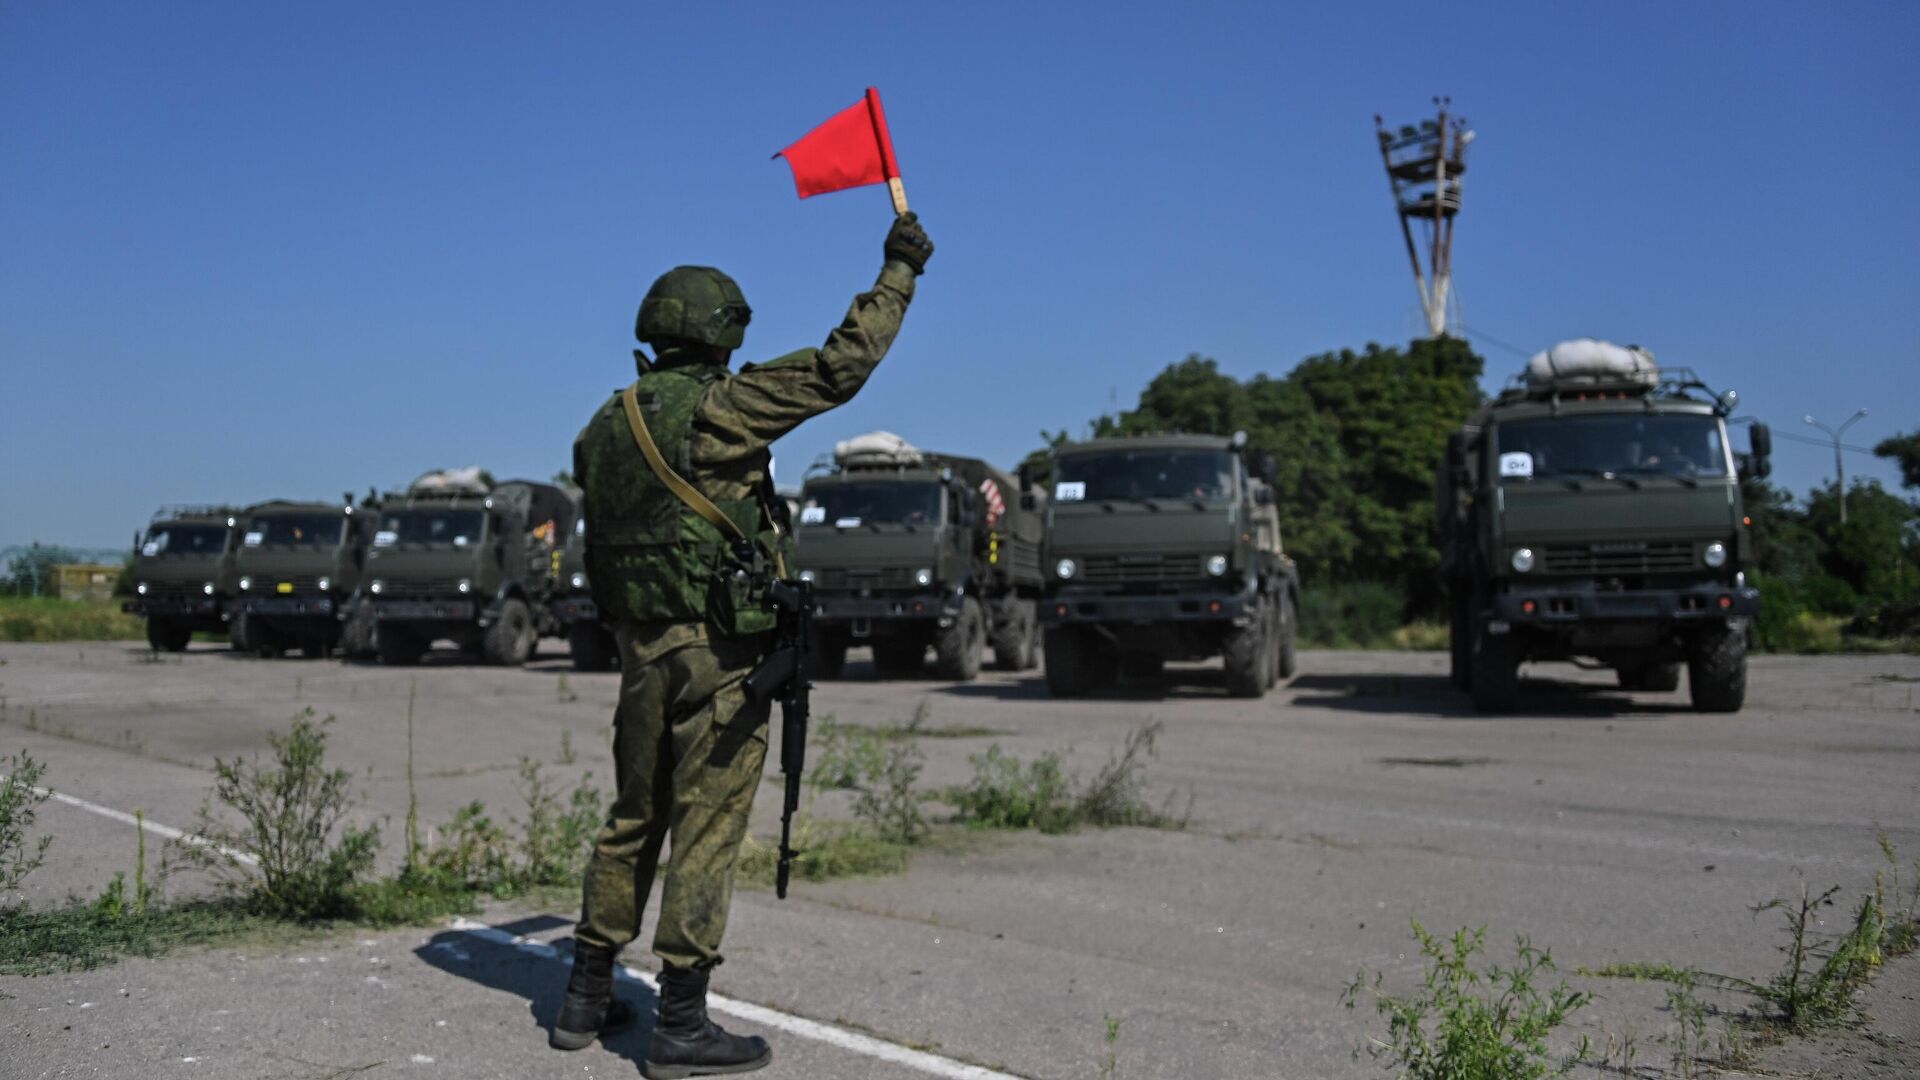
(590, 1009)
(686, 1043)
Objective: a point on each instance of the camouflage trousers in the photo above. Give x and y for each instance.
(688, 749)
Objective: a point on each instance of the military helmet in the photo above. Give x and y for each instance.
(694, 303)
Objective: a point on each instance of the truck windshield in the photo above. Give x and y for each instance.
(305, 530)
(429, 526)
(185, 540)
(848, 505)
(1621, 444)
(1145, 474)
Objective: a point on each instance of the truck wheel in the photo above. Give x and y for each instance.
(1656, 677)
(1460, 645)
(1070, 662)
(1287, 663)
(827, 653)
(1496, 673)
(1717, 670)
(400, 647)
(267, 642)
(1013, 640)
(591, 647)
(956, 649)
(895, 659)
(1249, 656)
(166, 635)
(509, 640)
(237, 633)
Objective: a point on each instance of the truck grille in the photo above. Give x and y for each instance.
(420, 587)
(1132, 569)
(887, 577)
(1653, 557)
(176, 590)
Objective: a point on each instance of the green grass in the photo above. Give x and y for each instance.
(44, 618)
(827, 850)
(84, 936)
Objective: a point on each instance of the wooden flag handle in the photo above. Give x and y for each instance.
(899, 192)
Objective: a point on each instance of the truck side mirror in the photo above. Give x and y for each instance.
(1263, 496)
(1025, 476)
(1269, 468)
(1028, 501)
(1761, 439)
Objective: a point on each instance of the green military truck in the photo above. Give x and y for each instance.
(459, 556)
(589, 642)
(909, 549)
(1592, 513)
(295, 572)
(183, 576)
(1166, 548)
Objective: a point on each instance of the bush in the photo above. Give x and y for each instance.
(1006, 793)
(1362, 614)
(19, 806)
(827, 851)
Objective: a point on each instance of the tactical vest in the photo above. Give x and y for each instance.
(649, 556)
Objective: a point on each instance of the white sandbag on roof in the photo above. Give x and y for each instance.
(471, 480)
(876, 448)
(1588, 360)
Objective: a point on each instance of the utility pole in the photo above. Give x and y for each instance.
(1424, 163)
(1839, 466)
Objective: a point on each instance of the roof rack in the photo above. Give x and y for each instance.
(1671, 383)
(173, 511)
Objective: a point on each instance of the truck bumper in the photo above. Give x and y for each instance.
(834, 608)
(1547, 603)
(206, 607)
(321, 607)
(1069, 608)
(574, 609)
(424, 610)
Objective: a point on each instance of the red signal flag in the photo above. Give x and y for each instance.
(852, 149)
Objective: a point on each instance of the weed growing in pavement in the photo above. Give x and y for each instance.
(20, 799)
(889, 803)
(1110, 1066)
(1490, 1024)
(567, 756)
(827, 850)
(80, 937)
(1006, 793)
(844, 754)
(564, 692)
(555, 836)
(291, 811)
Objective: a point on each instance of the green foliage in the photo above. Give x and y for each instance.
(48, 618)
(1825, 585)
(888, 802)
(1467, 1023)
(827, 850)
(1358, 614)
(555, 837)
(843, 754)
(19, 806)
(1007, 793)
(291, 813)
(80, 937)
(1905, 452)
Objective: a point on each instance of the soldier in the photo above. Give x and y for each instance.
(688, 744)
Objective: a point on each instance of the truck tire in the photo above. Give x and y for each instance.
(510, 639)
(1013, 639)
(399, 646)
(895, 659)
(591, 647)
(165, 635)
(1496, 673)
(827, 655)
(1071, 662)
(267, 642)
(1717, 670)
(1460, 644)
(957, 648)
(237, 633)
(1287, 657)
(1660, 678)
(1249, 657)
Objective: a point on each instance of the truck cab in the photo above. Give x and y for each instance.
(183, 575)
(910, 549)
(1592, 512)
(589, 642)
(1165, 548)
(295, 569)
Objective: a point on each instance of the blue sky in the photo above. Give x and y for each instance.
(251, 251)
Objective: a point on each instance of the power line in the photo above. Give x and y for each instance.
(1491, 340)
(1821, 442)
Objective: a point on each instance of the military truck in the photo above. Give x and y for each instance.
(183, 577)
(295, 570)
(1166, 548)
(909, 549)
(589, 642)
(459, 556)
(1591, 512)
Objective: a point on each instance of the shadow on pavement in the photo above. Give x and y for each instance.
(1435, 696)
(541, 980)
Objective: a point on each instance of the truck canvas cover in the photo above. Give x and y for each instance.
(1588, 360)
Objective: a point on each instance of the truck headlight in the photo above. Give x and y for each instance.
(1066, 568)
(325, 584)
(923, 577)
(141, 588)
(1715, 555)
(1522, 560)
(579, 581)
(376, 588)
(1216, 565)
(245, 583)
(465, 586)
(207, 588)
(806, 575)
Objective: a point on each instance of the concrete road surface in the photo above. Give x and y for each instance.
(1606, 826)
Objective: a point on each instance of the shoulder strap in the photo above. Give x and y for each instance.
(677, 484)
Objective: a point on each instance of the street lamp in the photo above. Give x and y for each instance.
(1839, 466)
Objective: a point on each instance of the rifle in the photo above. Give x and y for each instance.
(784, 675)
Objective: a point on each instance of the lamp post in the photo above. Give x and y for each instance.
(1839, 466)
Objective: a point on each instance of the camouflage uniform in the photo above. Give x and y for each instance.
(688, 746)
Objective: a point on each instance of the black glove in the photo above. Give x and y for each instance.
(907, 242)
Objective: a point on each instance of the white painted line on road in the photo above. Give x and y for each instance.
(164, 831)
(893, 1053)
